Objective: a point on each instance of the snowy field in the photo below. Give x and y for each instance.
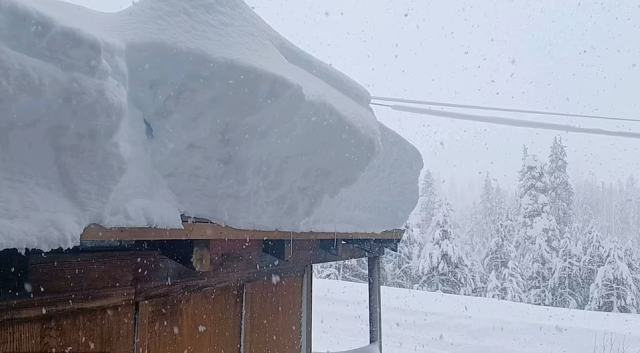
(415, 321)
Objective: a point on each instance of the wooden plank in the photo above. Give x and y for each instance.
(152, 274)
(204, 231)
(110, 329)
(273, 316)
(229, 262)
(60, 303)
(209, 321)
(64, 273)
(235, 254)
(219, 281)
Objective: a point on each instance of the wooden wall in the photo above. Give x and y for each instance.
(260, 316)
(273, 316)
(205, 322)
(265, 317)
(109, 329)
(144, 302)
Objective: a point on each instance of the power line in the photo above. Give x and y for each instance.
(511, 122)
(478, 107)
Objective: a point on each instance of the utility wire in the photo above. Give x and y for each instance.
(478, 107)
(511, 122)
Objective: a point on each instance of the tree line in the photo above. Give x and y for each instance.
(547, 243)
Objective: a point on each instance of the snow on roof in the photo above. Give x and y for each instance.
(194, 107)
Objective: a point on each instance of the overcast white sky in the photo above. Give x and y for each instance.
(570, 56)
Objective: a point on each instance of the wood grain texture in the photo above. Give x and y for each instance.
(57, 304)
(64, 273)
(203, 231)
(109, 329)
(273, 316)
(205, 322)
(83, 276)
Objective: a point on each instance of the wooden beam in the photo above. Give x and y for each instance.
(153, 274)
(205, 231)
(85, 272)
(59, 303)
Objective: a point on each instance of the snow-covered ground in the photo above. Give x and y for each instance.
(415, 321)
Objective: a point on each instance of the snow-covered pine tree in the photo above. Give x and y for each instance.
(614, 289)
(356, 270)
(488, 201)
(505, 280)
(484, 218)
(390, 263)
(633, 202)
(329, 270)
(523, 168)
(593, 257)
(633, 262)
(492, 212)
(402, 267)
(537, 231)
(428, 200)
(565, 284)
(442, 264)
(500, 201)
(560, 189)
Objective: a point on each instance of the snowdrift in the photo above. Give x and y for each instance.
(416, 321)
(183, 107)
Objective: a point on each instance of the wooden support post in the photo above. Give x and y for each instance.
(375, 309)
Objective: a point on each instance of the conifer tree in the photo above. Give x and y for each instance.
(428, 200)
(565, 285)
(442, 264)
(560, 190)
(615, 286)
(537, 231)
(505, 279)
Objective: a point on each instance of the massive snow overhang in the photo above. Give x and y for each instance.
(194, 107)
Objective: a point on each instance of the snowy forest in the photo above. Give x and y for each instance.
(552, 242)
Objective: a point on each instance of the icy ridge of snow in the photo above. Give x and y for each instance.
(244, 128)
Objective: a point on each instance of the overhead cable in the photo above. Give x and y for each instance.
(499, 109)
(511, 122)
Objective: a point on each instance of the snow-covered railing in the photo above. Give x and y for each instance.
(372, 348)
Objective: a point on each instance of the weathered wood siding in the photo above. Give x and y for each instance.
(110, 329)
(206, 322)
(273, 316)
(251, 299)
